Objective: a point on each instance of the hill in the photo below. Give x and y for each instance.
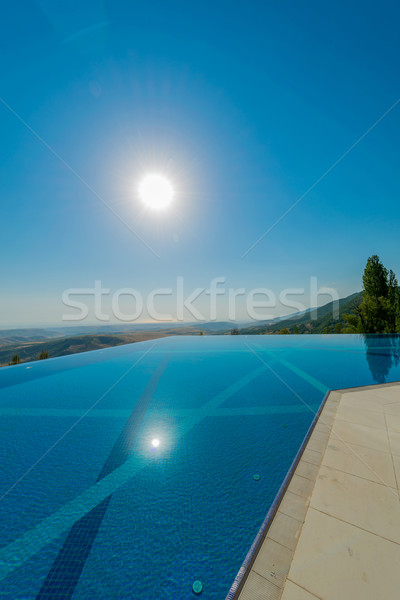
(305, 321)
(28, 351)
(29, 343)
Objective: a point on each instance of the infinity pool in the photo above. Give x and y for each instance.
(127, 473)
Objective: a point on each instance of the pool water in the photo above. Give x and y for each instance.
(91, 508)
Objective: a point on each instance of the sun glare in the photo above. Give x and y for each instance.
(156, 191)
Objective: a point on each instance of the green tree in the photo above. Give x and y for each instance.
(394, 300)
(375, 278)
(296, 330)
(235, 331)
(284, 331)
(353, 322)
(338, 328)
(43, 355)
(15, 360)
(327, 329)
(379, 309)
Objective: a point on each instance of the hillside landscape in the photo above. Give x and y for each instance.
(312, 320)
(28, 344)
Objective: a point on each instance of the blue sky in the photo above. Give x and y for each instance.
(243, 105)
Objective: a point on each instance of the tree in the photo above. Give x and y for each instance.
(338, 328)
(43, 355)
(296, 330)
(327, 329)
(235, 331)
(394, 300)
(375, 278)
(15, 360)
(354, 324)
(284, 331)
(379, 310)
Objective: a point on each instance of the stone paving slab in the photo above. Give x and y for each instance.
(336, 533)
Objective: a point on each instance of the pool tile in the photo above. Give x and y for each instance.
(316, 444)
(285, 530)
(67, 568)
(312, 457)
(259, 588)
(322, 436)
(273, 562)
(294, 506)
(301, 486)
(308, 470)
(322, 428)
(328, 415)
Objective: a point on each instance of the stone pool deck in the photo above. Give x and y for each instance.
(336, 533)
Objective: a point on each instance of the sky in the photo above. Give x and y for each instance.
(248, 109)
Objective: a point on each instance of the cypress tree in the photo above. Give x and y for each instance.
(379, 311)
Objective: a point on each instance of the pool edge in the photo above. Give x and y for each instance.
(248, 562)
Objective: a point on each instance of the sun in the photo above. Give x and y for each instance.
(156, 191)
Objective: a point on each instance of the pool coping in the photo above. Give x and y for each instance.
(276, 541)
(252, 554)
(361, 388)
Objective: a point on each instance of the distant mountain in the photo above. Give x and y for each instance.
(70, 345)
(35, 334)
(305, 321)
(60, 341)
(29, 343)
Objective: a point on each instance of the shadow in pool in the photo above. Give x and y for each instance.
(383, 353)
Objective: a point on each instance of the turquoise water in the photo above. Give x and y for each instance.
(78, 461)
